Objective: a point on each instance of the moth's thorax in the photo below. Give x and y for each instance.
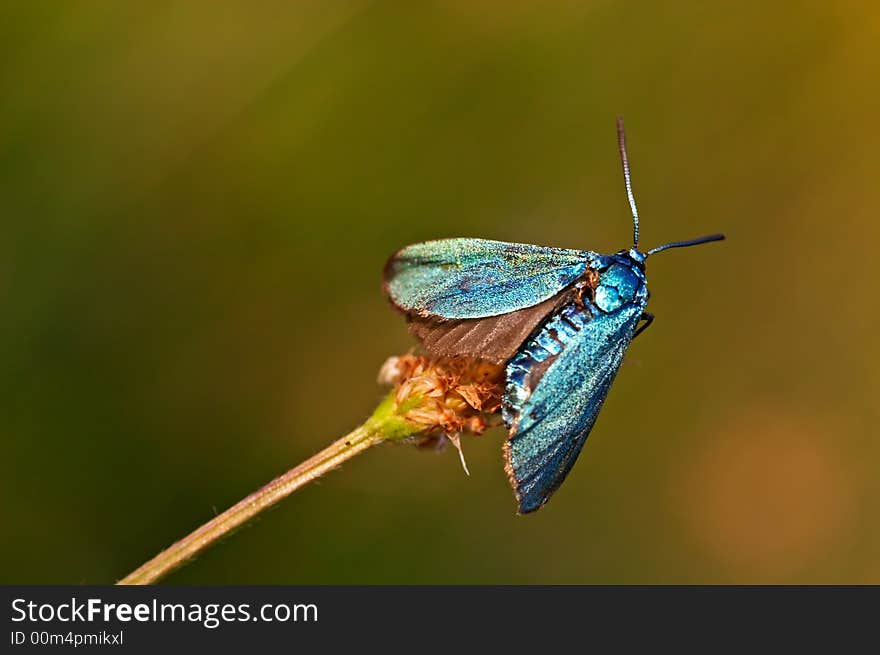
(621, 281)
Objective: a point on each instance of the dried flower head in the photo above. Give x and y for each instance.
(444, 398)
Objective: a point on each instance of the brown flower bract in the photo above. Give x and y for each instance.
(448, 396)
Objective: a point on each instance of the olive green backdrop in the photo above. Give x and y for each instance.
(197, 199)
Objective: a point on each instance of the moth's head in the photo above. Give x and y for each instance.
(636, 256)
(633, 257)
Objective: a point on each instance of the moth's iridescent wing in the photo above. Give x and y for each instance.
(556, 385)
(476, 278)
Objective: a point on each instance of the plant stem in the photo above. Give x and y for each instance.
(369, 434)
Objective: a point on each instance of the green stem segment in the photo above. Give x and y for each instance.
(385, 423)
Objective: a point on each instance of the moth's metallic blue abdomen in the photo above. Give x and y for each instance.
(537, 354)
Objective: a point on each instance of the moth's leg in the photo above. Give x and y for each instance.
(648, 318)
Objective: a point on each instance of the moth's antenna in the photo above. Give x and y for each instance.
(685, 244)
(627, 179)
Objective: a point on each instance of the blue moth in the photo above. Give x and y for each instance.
(559, 321)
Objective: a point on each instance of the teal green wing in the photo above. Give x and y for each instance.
(475, 278)
(556, 385)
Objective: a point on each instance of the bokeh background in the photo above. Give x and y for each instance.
(197, 199)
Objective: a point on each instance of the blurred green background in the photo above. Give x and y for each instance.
(197, 201)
